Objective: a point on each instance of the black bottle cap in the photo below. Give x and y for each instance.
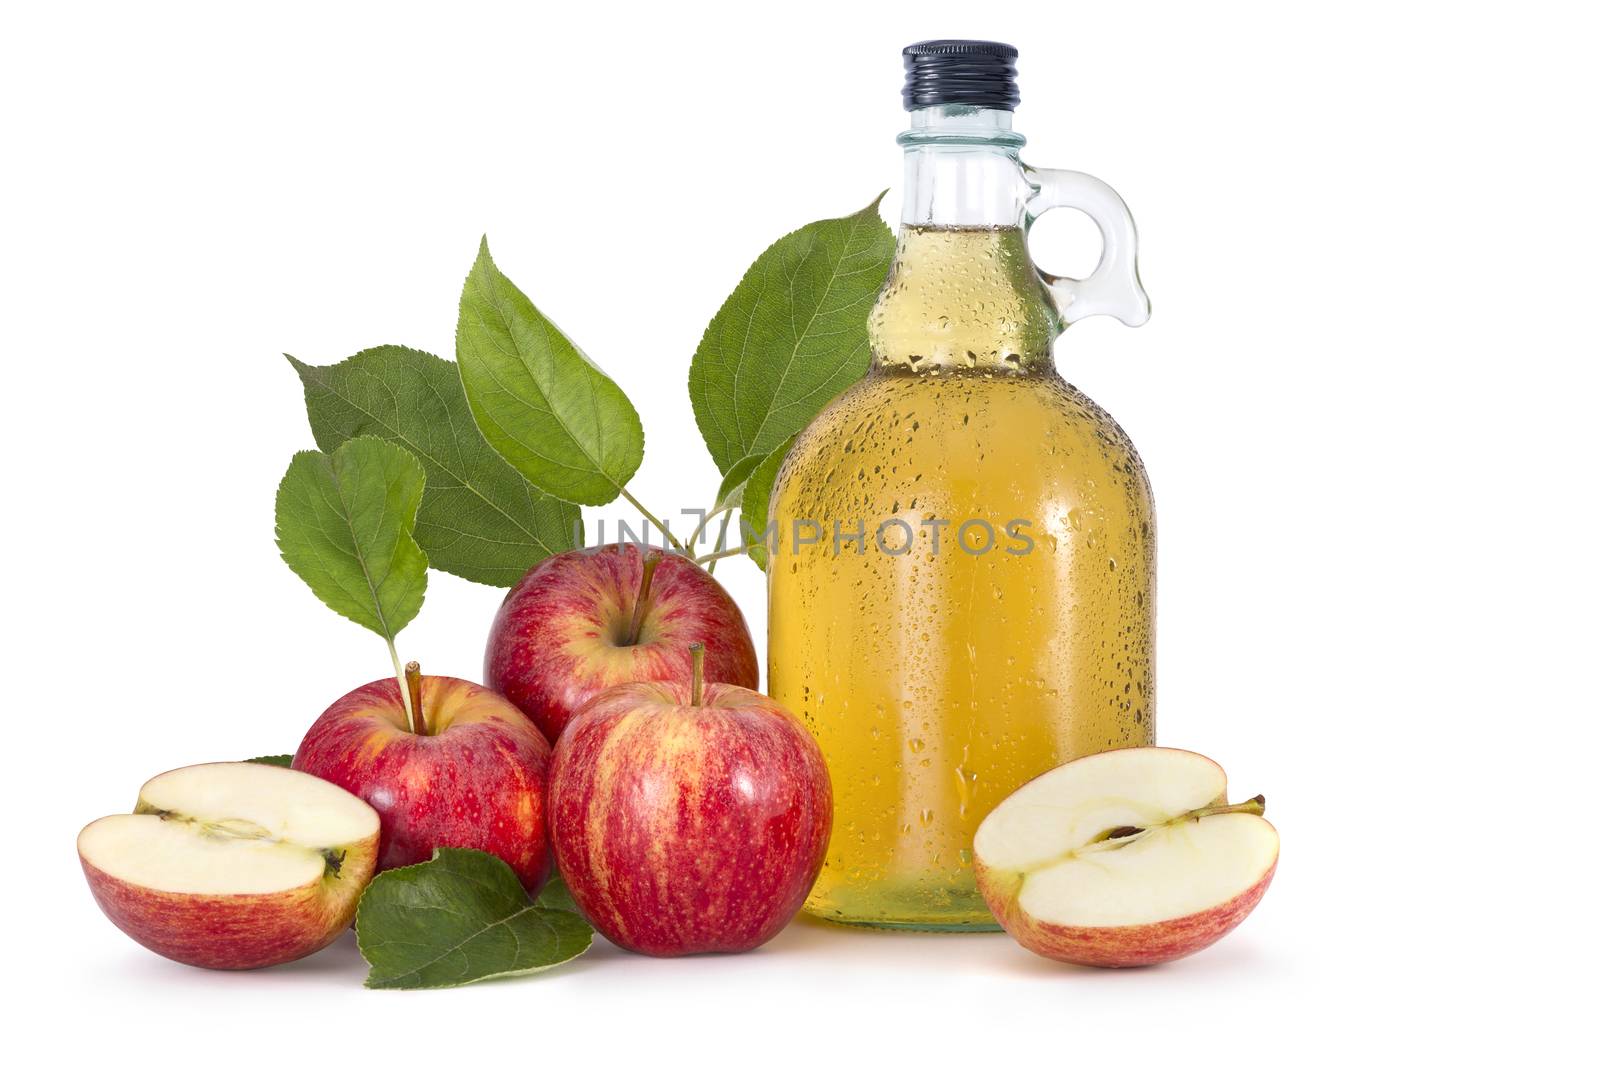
(979, 73)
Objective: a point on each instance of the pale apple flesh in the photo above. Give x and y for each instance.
(1131, 857)
(233, 865)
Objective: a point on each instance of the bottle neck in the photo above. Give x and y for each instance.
(962, 295)
(962, 168)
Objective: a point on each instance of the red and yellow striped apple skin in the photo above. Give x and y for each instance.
(1120, 946)
(559, 638)
(238, 931)
(476, 780)
(688, 830)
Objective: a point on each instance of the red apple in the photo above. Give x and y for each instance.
(472, 775)
(688, 819)
(587, 620)
(231, 865)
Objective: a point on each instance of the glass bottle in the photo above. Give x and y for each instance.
(962, 581)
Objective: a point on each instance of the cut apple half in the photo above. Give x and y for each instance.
(1131, 857)
(233, 865)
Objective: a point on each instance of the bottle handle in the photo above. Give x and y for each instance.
(1113, 288)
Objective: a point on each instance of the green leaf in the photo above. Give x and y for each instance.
(791, 337)
(757, 498)
(344, 525)
(731, 490)
(457, 919)
(538, 400)
(479, 519)
(555, 896)
(284, 760)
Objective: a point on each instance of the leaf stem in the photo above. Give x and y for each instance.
(414, 690)
(721, 508)
(400, 679)
(722, 538)
(697, 673)
(643, 601)
(657, 522)
(728, 553)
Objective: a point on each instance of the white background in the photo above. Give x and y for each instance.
(1365, 399)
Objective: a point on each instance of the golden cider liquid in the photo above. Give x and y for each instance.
(939, 674)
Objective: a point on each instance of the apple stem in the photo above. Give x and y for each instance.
(1122, 835)
(414, 689)
(697, 673)
(1257, 806)
(643, 601)
(405, 690)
